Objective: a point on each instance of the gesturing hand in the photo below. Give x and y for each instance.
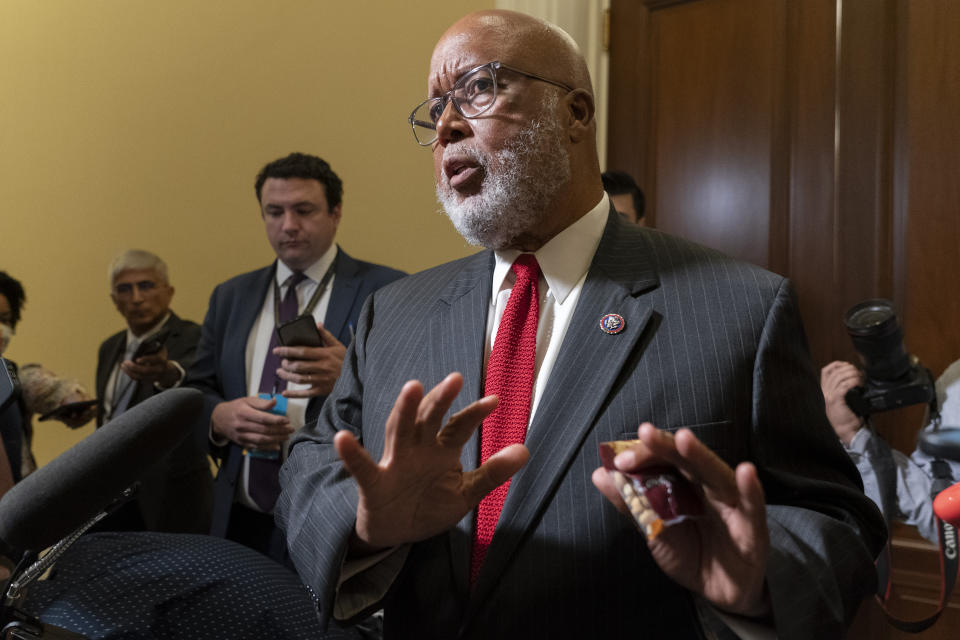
(723, 554)
(418, 489)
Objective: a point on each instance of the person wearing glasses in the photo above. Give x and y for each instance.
(150, 355)
(454, 476)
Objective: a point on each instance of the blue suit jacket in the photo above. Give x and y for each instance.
(710, 343)
(219, 370)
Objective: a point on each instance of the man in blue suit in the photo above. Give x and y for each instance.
(257, 392)
(473, 504)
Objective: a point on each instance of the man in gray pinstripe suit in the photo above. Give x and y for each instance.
(379, 496)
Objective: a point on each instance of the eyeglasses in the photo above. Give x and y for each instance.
(473, 94)
(125, 289)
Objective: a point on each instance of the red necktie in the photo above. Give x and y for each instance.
(509, 377)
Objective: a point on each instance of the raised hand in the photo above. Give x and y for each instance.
(721, 555)
(418, 488)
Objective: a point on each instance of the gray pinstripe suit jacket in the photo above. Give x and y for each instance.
(710, 343)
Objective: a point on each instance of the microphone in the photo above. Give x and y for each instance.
(54, 500)
(947, 505)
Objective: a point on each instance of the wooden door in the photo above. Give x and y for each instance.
(817, 138)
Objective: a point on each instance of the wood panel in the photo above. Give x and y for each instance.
(931, 150)
(628, 112)
(818, 138)
(863, 240)
(712, 67)
(811, 100)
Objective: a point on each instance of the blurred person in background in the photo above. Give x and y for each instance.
(626, 196)
(141, 360)
(899, 484)
(42, 391)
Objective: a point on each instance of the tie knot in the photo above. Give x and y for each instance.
(296, 278)
(526, 267)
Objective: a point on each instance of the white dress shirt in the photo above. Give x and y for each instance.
(259, 340)
(564, 262)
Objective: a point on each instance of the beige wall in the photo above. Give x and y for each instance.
(126, 123)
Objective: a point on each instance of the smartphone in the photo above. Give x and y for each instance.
(68, 410)
(301, 332)
(151, 345)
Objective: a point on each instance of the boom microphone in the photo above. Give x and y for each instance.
(57, 498)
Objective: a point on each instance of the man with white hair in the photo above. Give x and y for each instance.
(453, 477)
(134, 364)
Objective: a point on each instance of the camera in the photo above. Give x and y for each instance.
(894, 378)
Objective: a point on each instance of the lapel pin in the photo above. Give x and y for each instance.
(612, 323)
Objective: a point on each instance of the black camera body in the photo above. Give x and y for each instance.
(879, 395)
(894, 379)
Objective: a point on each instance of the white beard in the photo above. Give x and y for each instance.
(519, 183)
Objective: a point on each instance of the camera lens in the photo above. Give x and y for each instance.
(876, 334)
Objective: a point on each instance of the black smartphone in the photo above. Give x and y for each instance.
(301, 332)
(151, 345)
(67, 410)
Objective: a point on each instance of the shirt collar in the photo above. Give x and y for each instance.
(565, 258)
(314, 272)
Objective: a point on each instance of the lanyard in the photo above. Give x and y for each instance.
(949, 563)
(314, 299)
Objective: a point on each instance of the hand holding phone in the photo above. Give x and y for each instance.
(69, 411)
(151, 345)
(301, 332)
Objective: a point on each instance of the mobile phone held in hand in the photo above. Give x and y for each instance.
(151, 345)
(301, 332)
(71, 409)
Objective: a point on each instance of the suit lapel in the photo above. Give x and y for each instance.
(344, 293)
(457, 332)
(244, 313)
(582, 379)
(112, 356)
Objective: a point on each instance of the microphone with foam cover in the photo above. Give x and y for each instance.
(57, 498)
(947, 505)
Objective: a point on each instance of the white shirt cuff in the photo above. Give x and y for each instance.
(183, 374)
